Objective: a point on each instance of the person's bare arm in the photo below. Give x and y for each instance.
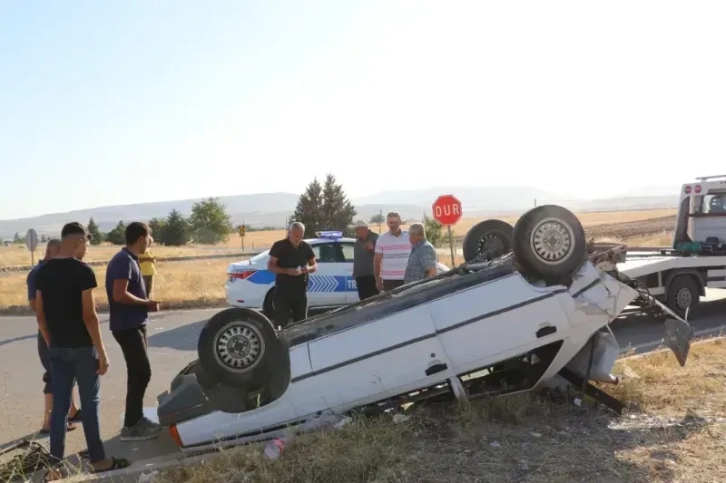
(122, 295)
(40, 316)
(377, 262)
(429, 261)
(90, 318)
(93, 325)
(33, 304)
(312, 265)
(272, 266)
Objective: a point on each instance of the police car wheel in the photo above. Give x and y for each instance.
(240, 348)
(268, 306)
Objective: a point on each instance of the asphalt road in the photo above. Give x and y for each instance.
(172, 344)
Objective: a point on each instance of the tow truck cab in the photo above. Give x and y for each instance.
(701, 221)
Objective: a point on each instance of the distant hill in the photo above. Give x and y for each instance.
(272, 209)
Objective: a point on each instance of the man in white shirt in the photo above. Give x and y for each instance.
(391, 255)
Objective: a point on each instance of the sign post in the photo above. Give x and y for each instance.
(31, 241)
(447, 211)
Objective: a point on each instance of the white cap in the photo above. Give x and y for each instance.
(361, 224)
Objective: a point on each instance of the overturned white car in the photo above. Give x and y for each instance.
(500, 323)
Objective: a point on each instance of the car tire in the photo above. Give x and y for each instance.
(683, 294)
(549, 242)
(490, 234)
(268, 306)
(240, 348)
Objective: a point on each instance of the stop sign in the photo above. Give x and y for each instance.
(447, 209)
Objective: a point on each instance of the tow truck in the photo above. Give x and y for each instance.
(677, 276)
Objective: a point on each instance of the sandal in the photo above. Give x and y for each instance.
(77, 418)
(70, 427)
(116, 464)
(59, 472)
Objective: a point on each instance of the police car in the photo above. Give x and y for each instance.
(250, 284)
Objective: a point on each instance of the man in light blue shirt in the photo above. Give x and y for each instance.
(423, 259)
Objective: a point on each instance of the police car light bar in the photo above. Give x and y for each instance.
(330, 234)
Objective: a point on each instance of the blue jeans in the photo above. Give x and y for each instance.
(45, 361)
(66, 365)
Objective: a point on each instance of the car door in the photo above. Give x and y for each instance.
(384, 357)
(351, 290)
(327, 285)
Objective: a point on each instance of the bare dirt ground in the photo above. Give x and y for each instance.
(675, 433)
(652, 227)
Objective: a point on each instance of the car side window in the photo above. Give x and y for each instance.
(348, 251)
(327, 253)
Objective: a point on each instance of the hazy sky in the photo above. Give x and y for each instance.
(125, 102)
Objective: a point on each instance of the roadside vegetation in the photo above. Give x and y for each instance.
(200, 283)
(209, 232)
(675, 430)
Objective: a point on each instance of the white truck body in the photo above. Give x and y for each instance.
(679, 275)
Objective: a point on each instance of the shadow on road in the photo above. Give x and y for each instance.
(17, 339)
(182, 338)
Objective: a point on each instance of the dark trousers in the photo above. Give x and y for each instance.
(149, 282)
(67, 365)
(389, 285)
(138, 371)
(366, 286)
(290, 305)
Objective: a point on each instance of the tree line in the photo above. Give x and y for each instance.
(326, 207)
(208, 223)
(322, 206)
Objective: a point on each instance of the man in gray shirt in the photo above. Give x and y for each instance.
(422, 261)
(365, 244)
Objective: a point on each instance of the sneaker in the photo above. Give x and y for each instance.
(150, 425)
(138, 432)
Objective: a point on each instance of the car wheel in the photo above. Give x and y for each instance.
(240, 348)
(549, 242)
(268, 306)
(683, 294)
(494, 235)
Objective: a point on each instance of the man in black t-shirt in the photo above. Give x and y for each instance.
(69, 324)
(291, 260)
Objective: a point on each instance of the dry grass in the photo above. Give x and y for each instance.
(518, 438)
(657, 383)
(17, 255)
(177, 285)
(663, 239)
(194, 283)
(200, 283)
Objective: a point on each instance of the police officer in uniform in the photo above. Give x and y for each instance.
(291, 260)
